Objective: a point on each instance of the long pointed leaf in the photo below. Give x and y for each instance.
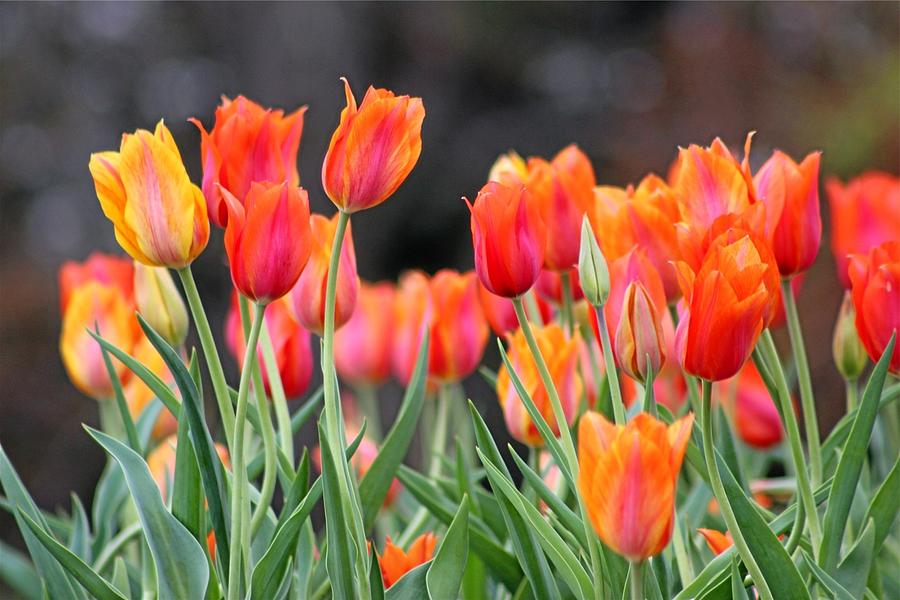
(446, 572)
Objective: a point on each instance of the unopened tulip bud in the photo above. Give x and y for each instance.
(640, 346)
(849, 353)
(592, 269)
(159, 302)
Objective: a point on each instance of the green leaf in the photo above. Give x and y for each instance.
(211, 470)
(378, 478)
(181, 566)
(853, 572)
(57, 582)
(120, 578)
(376, 583)
(776, 565)
(187, 495)
(17, 572)
(412, 586)
(80, 539)
(849, 468)
(307, 410)
(128, 425)
(446, 572)
(92, 582)
(835, 589)
(339, 556)
(885, 506)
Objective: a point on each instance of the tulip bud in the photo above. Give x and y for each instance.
(849, 353)
(640, 346)
(159, 302)
(592, 269)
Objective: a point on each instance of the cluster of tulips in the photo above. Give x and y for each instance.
(623, 315)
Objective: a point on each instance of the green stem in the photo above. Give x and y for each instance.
(534, 461)
(239, 500)
(110, 421)
(715, 480)
(852, 394)
(568, 300)
(279, 400)
(807, 400)
(588, 337)
(220, 387)
(804, 488)
(612, 375)
(112, 547)
(637, 580)
(533, 308)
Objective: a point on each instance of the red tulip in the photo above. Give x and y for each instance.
(875, 283)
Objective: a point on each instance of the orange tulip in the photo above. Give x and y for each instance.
(509, 239)
(449, 307)
(645, 216)
(563, 189)
(107, 269)
(717, 541)
(640, 345)
(395, 563)
(794, 189)
(756, 418)
(863, 215)
(158, 214)
(290, 341)
(627, 478)
(373, 149)
(500, 313)
(876, 296)
(138, 395)
(308, 294)
(92, 306)
(509, 169)
(562, 357)
(247, 144)
(267, 239)
(730, 301)
(362, 348)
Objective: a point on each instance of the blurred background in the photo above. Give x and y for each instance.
(627, 82)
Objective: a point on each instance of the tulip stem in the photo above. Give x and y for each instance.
(804, 488)
(565, 279)
(637, 580)
(279, 400)
(240, 503)
(533, 308)
(852, 394)
(715, 480)
(612, 375)
(220, 387)
(810, 420)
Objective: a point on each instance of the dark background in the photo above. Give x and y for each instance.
(628, 83)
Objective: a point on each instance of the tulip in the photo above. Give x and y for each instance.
(592, 267)
(290, 342)
(412, 316)
(756, 418)
(669, 386)
(562, 361)
(267, 239)
(508, 237)
(644, 216)
(159, 303)
(782, 183)
(627, 478)
(640, 345)
(395, 563)
(116, 271)
(863, 216)
(563, 189)
(501, 314)
(509, 169)
(159, 216)
(138, 395)
(94, 306)
(875, 281)
(247, 144)
(717, 541)
(373, 149)
(362, 351)
(729, 303)
(849, 353)
(308, 294)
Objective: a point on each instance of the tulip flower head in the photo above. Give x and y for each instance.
(509, 169)
(159, 302)
(362, 352)
(159, 216)
(640, 345)
(756, 418)
(374, 148)
(794, 189)
(563, 357)
(395, 563)
(509, 239)
(875, 280)
(267, 239)
(247, 144)
(308, 294)
(863, 215)
(116, 271)
(627, 479)
(849, 354)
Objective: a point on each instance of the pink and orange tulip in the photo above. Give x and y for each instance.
(374, 148)
(640, 345)
(362, 352)
(116, 271)
(159, 216)
(627, 478)
(875, 280)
